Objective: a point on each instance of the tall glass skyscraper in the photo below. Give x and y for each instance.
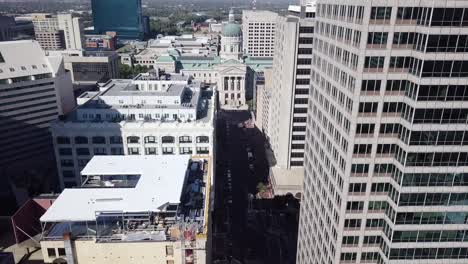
(121, 16)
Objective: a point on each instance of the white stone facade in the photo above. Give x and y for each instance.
(290, 83)
(232, 85)
(146, 116)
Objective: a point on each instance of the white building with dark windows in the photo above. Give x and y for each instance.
(258, 29)
(386, 157)
(287, 99)
(154, 114)
(58, 32)
(34, 91)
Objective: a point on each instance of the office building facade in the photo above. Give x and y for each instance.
(288, 100)
(386, 158)
(58, 32)
(34, 90)
(154, 114)
(258, 27)
(129, 22)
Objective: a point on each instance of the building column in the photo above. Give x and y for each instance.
(233, 86)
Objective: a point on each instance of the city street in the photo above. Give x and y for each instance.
(237, 175)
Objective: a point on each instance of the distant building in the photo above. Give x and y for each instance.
(146, 25)
(234, 76)
(148, 209)
(35, 90)
(184, 45)
(258, 27)
(93, 67)
(101, 42)
(121, 16)
(58, 32)
(89, 67)
(153, 114)
(50, 40)
(7, 25)
(216, 27)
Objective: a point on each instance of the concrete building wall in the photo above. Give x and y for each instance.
(34, 91)
(286, 114)
(258, 28)
(59, 32)
(263, 101)
(72, 30)
(289, 93)
(72, 157)
(91, 69)
(51, 40)
(373, 159)
(88, 251)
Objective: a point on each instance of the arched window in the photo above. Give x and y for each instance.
(203, 139)
(150, 139)
(185, 139)
(168, 139)
(81, 140)
(133, 140)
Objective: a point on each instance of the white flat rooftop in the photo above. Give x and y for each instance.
(286, 180)
(161, 182)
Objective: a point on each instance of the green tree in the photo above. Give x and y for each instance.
(127, 72)
(261, 187)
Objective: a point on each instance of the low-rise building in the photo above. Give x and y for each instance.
(101, 42)
(188, 43)
(133, 209)
(154, 114)
(93, 67)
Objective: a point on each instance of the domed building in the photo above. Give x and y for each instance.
(231, 40)
(233, 76)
